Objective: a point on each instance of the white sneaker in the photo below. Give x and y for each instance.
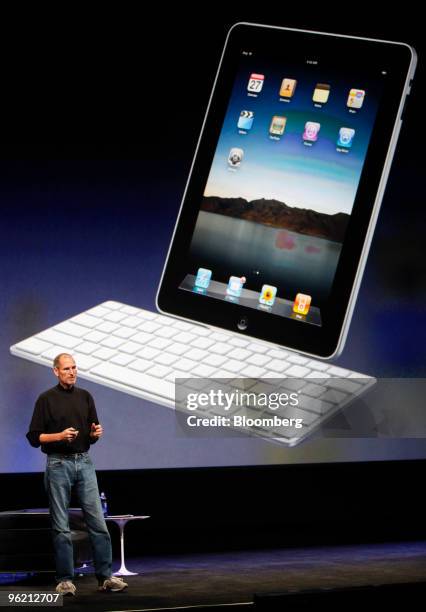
(66, 587)
(113, 584)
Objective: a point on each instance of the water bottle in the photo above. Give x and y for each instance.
(104, 504)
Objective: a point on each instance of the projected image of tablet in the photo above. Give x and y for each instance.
(286, 185)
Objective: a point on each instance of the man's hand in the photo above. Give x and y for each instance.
(69, 434)
(96, 431)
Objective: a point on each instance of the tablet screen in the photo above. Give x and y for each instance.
(282, 183)
(286, 185)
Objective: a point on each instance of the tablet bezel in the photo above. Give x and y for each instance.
(324, 341)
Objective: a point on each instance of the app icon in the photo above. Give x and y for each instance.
(311, 131)
(267, 295)
(255, 83)
(356, 98)
(321, 93)
(346, 136)
(246, 120)
(277, 126)
(235, 157)
(235, 285)
(203, 278)
(288, 87)
(302, 303)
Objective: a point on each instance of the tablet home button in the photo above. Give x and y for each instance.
(242, 324)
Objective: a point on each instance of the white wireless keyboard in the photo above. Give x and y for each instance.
(142, 353)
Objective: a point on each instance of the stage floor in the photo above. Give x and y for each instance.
(234, 577)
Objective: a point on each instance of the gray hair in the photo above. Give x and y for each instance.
(58, 358)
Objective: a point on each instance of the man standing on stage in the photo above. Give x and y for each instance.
(65, 424)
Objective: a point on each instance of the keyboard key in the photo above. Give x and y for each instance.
(166, 332)
(121, 359)
(345, 385)
(104, 353)
(238, 342)
(140, 365)
(335, 397)
(150, 316)
(258, 360)
(158, 343)
(297, 371)
(115, 316)
(130, 347)
(278, 365)
(86, 348)
(142, 337)
(98, 311)
(278, 353)
(95, 336)
(233, 365)
(107, 327)
(72, 329)
(240, 354)
(187, 365)
(54, 337)
(297, 359)
(149, 326)
(318, 365)
(203, 371)
(196, 354)
(86, 320)
(252, 371)
(220, 348)
(223, 374)
(84, 362)
(182, 325)
(214, 360)
(138, 380)
(51, 353)
(171, 376)
(130, 310)
(178, 348)
(159, 371)
(257, 348)
(148, 352)
(201, 331)
(112, 342)
(165, 358)
(318, 375)
(363, 379)
(202, 343)
(33, 346)
(218, 337)
(314, 390)
(131, 321)
(112, 305)
(124, 332)
(335, 371)
(186, 338)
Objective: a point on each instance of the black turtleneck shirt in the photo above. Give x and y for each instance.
(60, 408)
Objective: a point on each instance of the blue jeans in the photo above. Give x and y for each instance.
(64, 472)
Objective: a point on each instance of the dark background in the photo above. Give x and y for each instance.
(113, 104)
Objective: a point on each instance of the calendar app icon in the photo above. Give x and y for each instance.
(255, 83)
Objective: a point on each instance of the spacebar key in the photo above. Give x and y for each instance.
(134, 379)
